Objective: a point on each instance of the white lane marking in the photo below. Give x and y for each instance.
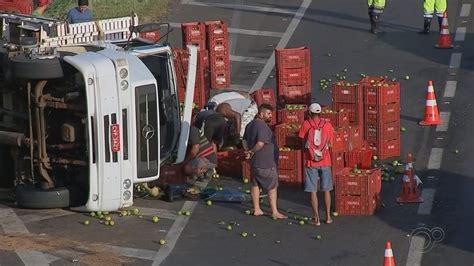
(444, 117)
(248, 59)
(11, 224)
(455, 61)
(428, 197)
(133, 252)
(173, 234)
(51, 258)
(450, 89)
(236, 16)
(465, 10)
(241, 7)
(436, 156)
(48, 214)
(460, 34)
(242, 88)
(282, 44)
(162, 213)
(243, 31)
(30, 257)
(415, 252)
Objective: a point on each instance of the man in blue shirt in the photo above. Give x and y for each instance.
(79, 14)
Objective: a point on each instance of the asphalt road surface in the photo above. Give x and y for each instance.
(437, 232)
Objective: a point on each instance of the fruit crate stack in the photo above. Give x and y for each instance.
(382, 116)
(293, 68)
(349, 96)
(266, 95)
(358, 191)
(218, 46)
(201, 92)
(229, 162)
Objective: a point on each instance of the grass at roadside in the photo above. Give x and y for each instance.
(147, 10)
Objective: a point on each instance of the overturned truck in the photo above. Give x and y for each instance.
(87, 110)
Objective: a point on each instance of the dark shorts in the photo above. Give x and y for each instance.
(265, 178)
(214, 128)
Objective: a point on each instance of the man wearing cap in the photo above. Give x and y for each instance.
(80, 14)
(41, 8)
(317, 134)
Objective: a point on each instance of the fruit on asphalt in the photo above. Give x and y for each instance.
(254, 235)
(335, 214)
(187, 213)
(106, 213)
(403, 129)
(407, 77)
(101, 216)
(318, 237)
(162, 241)
(229, 227)
(247, 191)
(395, 163)
(456, 151)
(244, 234)
(392, 178)
(92, 214)
(209, 203)
(136, 211)
(129, 212)
(108, 218)
(180, 212)
(112, 223)
(155, 219)
(278, 241)
(87, 222)
(248, 212)
(301, 222)
(107, 223)
(246, 180)
(99, 213)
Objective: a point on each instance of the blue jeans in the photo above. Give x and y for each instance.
(313, 174)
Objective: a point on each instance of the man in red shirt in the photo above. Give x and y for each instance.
(317, 134)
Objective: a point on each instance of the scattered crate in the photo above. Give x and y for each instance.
(346, 92)
(264, 95)
(382, 93)
(355, 204)
(194, 33)
(375, 113)
(362, 158)
(355, 112)
(293, 57)
(296, 94)
(386, 148)
(382, 131)
(294, 77)
(292, 113)
(229, 163)
(287, 135)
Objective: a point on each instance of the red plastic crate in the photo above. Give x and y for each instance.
(339, 118)
(153, 36)
(350, 182)
(216, 29)
(294, 76)
(194, 33)
(382, 93)
(180, 76)
(338, 140)
(371, 80)
(290, 160)
(337, 160)
(171, 174)
(15, 6)
(355, 205)
(293, 57)
(229, 163)
(264, 95)
(346, 133)
(220, 79)
(294, 94)
(356, 138)
(292, 114)
(360, 157)
(382, 131)
(287, 135)
(355, 112)
(386, 149)
(346, 92)
(218, 46)
(375, 113)
(290, 177)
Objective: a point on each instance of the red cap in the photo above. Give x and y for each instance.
(43, 2)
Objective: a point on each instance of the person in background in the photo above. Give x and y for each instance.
(40, 8)
(317, 134)
(376, 8)
(201, 156)
(236, 108)
(212, 124)
(80, 14)
(429, 8)
(260, 147)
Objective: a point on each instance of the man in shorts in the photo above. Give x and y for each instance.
(317, 134)
(260, 147)
(201, 156)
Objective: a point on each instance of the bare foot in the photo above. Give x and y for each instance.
(328, 221)
(315, 221)
(258, 213)
(278, 216)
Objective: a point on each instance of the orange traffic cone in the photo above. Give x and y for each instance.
(410, 192)
(431, 108)
(444, 39)
(388, 259)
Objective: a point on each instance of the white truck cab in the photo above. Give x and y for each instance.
(87, 111)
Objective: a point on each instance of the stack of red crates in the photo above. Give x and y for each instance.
(348, 96)
(382, 116)
(229, 163)
(293, 67)
(218, 46)
(357, 191)
(201, 91)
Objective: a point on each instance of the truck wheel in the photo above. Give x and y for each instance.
(35, 198)
(25, 68)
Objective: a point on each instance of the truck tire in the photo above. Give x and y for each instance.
(35, 198)
(37, 69)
